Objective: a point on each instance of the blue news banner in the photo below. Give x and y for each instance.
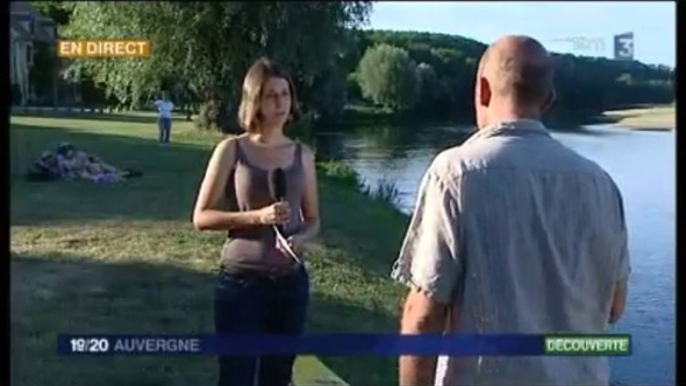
(346, 344)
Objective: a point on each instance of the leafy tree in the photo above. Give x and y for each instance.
(59, 11)
(387, 76)
(625, 79)
(584, 85)
(206, 48)
(428, 89)
(43, 73)
(206, 59)
(330, 93)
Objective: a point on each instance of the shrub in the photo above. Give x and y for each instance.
(386, 191)
(215, 116)
(341, 173)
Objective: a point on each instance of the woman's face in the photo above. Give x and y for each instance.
(275, 104)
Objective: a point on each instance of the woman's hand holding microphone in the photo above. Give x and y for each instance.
(277, 214)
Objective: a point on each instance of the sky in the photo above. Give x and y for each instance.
(552, 23)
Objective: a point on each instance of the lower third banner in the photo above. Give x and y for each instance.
(347, 344)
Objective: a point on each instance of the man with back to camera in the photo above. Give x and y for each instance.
(164, 107)
(513, 233)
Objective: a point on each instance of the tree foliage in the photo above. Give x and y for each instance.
(43, 72)
(207, 47)
(201, 51)
(584, 85)
(388, 77)
(59, 11)
(429, 90)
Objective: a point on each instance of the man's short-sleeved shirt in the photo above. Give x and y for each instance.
(164, 108)
(522, 235)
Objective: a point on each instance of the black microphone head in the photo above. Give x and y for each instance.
(278, 182)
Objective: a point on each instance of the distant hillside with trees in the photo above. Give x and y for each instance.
(337, 66)
(434, 75)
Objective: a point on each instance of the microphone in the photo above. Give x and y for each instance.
(277, 182)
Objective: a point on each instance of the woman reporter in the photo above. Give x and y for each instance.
(262, 288)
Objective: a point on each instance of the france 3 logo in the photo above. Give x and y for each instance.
(624, 46)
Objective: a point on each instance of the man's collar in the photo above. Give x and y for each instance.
(513, 127)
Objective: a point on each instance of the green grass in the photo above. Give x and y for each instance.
(124, 258)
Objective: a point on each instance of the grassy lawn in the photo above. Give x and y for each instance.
(124, 258)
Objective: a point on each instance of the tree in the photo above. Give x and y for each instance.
(207, 47)
(387, 76)
(625, 79)
(330, 93)
(584, 85)
(44, 72)
(59, 11)
(427, 88)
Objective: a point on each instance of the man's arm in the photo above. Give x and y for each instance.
(429, 264)
(619, 296)
(618, 301)
(421, 315)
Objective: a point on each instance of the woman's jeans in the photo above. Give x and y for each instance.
(250, 303)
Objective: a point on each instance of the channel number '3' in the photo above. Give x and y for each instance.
(626, 47)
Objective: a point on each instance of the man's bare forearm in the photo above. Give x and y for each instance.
(418, 370)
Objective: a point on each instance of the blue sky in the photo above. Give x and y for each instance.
(653, 23)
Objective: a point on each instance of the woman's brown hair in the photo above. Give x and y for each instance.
(249, 111)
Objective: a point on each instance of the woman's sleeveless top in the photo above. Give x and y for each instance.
(248, 188)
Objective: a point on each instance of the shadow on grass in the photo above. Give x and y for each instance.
(69, 294)
(73, 294)
(148, 118)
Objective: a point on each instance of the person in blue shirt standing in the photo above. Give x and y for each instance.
(164, 107)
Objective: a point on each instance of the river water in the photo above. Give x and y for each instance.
(643, 165)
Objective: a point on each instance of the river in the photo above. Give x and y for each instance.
(643, 165)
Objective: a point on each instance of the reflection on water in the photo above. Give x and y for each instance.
(391, 154)
(642, 164)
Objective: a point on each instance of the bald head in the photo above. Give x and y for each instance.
(518, 68)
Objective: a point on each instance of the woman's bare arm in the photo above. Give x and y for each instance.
(207, 215)
(310, 203)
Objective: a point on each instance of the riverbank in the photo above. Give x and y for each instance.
(657, 118)
(124, 258)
